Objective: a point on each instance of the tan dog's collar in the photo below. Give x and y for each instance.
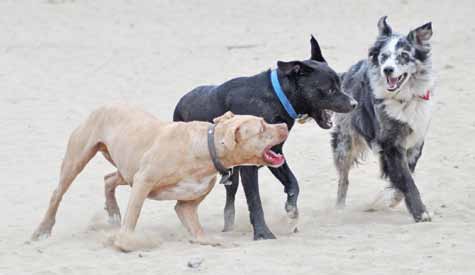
(225, 173)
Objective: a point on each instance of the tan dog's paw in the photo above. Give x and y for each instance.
(206, 241)
(43, 231)
(40, 235)
(127, 242)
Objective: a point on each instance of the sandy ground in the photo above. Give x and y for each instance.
(61, 59)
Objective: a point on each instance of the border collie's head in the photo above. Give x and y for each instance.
(399, 62)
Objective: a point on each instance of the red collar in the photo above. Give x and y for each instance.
(426, 96)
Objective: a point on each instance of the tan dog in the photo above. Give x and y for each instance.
(162, 161)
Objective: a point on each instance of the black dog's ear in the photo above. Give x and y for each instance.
(316, 51)
(421, 35)
(383, 27)
(294, 67)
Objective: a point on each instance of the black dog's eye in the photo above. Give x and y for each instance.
(330, 91)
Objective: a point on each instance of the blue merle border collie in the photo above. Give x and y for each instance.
(393, 87)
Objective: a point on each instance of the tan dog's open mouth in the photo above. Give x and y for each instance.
(272, 158)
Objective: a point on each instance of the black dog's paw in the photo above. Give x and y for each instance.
(424, 217)
(292, 211)
(264, 234)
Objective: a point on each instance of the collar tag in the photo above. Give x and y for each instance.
(225, 173)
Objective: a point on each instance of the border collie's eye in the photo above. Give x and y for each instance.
(405, 55)
(383, 57)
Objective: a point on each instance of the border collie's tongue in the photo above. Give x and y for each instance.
(273, 158)
(392, 82)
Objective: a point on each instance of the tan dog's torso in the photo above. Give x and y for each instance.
(128, 145)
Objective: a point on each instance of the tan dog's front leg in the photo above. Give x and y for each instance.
(124, 239)
(187, 212)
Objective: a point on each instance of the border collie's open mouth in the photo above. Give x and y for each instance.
(323, 118)
(395, 83)
(271, 158)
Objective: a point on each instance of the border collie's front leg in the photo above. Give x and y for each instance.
(394, 165)
(413, 155)
(250, 185)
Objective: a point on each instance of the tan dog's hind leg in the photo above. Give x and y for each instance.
(187, 212)
(140, 189)
(111, 182)
(77, 156)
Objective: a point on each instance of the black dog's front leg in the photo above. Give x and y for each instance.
(291, 186)
(395, 166)
(251, 189)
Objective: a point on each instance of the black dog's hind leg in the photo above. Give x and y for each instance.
(229, 212)
(413, 155)
(395, 166)
(250, 185)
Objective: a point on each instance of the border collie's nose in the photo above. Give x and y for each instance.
(388, 71)
(353, 103)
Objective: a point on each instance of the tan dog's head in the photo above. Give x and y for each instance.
(248, 139)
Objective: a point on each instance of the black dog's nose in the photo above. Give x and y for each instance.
(388, 71)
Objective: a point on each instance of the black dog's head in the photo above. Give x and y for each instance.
(317, 87)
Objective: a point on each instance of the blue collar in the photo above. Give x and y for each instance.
(280, 94)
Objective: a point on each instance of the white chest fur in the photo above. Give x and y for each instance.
(187, 189)
(416, 113)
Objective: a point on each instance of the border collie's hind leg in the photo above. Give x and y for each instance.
(343, 157)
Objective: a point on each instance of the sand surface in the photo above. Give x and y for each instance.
(60, 59)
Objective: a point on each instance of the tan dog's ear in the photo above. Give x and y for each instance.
(224, 117)
(230, 137)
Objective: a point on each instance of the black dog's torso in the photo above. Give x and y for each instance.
(252, 95)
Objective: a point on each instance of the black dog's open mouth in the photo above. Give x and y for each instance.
(323, 118)
(394, 83)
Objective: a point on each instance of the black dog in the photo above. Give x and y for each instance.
(311, 87)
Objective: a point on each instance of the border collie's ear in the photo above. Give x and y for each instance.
(294, 67)
(316, 51)
(383, 27)
(421, 35)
